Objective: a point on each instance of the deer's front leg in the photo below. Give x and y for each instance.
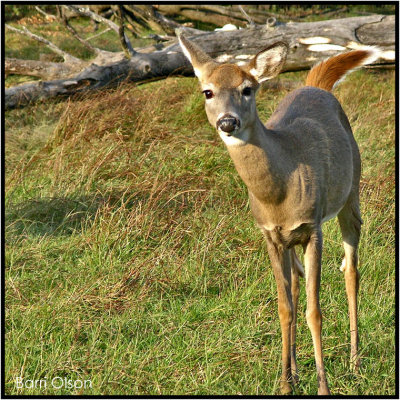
(281, 264)
(312, 261)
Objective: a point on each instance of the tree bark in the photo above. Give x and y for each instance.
(309, 42)
(42, 69)
(216, 14)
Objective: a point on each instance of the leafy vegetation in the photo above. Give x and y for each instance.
(132, 258)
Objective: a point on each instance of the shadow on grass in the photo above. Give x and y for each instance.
(50, 216)
(60, 216)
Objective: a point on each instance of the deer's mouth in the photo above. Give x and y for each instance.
(238, 137)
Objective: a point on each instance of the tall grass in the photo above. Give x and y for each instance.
(132, 258)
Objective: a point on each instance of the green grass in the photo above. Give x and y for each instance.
(132, 258)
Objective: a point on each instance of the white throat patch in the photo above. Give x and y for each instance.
(236, 139)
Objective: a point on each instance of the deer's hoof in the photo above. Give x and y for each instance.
(355, 363)
(286, 387)
(295, 378)
(323, 389)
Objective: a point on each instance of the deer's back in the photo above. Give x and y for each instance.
(310, 103)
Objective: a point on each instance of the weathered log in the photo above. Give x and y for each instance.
(194, 14)
(216, 14)
(309, 43)
(42, 69)
(139, 68)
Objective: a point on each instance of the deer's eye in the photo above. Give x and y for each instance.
(246, 91)
(208, 93)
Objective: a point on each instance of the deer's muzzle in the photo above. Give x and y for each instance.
(228, 123)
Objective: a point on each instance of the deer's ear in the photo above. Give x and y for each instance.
(268, 63)
(201, 62)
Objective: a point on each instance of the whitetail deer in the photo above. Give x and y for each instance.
(301, 169)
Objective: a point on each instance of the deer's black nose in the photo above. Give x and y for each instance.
(228, 123)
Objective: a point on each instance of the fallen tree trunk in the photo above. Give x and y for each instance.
(309, 43)
(41, 69)
(215, 14)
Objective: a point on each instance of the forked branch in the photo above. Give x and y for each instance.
(64, 19)
(128, 50)
(98, 18)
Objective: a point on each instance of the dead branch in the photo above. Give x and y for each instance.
(250, 21)
(98, 34)
(47, 15)
(96, 17)
(121, 31)
(26, 32)
(64, 19)
(152, 18)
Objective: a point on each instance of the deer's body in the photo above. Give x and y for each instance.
(296, 170)
(301, 169)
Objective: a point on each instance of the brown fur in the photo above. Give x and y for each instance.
(302, 168)
(228, 76)
(325, 74)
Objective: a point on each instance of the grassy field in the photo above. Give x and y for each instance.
(133, 261)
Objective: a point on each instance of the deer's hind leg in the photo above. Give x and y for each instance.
(350, 226)
(312, 263)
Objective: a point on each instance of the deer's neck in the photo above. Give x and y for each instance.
(260, 163)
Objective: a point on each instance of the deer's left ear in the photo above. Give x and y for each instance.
(201, 62)
(268, 63)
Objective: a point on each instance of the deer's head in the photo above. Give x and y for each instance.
(230, 90)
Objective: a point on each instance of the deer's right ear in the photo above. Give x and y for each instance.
(201, 62)
(268, 63)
